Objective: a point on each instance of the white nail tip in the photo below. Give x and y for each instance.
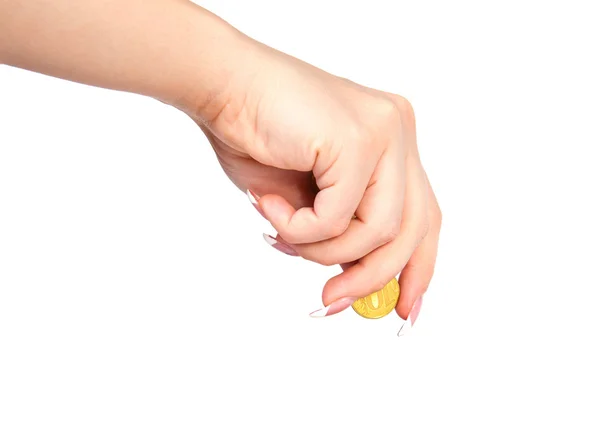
(320, 313)
(405, 328)
(270, 240)
(251, 197)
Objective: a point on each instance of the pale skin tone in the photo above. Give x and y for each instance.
(274, 121)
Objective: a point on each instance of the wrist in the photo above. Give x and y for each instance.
(213, 65)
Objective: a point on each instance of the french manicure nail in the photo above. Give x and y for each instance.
(279, 246)
(253, 197)
(336, 307)
(412, 317)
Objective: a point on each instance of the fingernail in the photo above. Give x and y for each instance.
(279, 246)
(412, 317)
(336, 307)
(253, 197)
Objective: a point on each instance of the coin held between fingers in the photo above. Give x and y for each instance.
(378, 304)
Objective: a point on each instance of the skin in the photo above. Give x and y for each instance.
(336, 164)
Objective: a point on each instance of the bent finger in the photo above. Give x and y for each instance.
(342, 188)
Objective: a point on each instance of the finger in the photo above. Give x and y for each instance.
(418, 272)
(342, 187)
(378, 221)
(415, 278)
(297, 187)
(373, 271)
(293, 186)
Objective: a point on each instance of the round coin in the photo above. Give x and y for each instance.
(380, 303)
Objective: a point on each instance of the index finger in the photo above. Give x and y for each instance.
(342, 187)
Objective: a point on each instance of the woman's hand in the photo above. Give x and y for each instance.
(274, 122)
(334, 167)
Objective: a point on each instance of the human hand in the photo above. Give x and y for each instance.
(334, 166)
(274, 122)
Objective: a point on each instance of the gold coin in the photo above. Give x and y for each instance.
(380, 303)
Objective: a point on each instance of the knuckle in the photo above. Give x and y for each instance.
(336, 228)
(405, 110)
(403, 105)
(388, 115)
(388, 108)
(389, 232)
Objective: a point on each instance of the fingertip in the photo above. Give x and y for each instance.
(412, 288)
(277, 210)
(354, 281)
(336, 288)
(404, 306)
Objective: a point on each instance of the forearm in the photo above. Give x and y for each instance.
(171, 50)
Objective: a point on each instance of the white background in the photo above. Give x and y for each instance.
(136, 289)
